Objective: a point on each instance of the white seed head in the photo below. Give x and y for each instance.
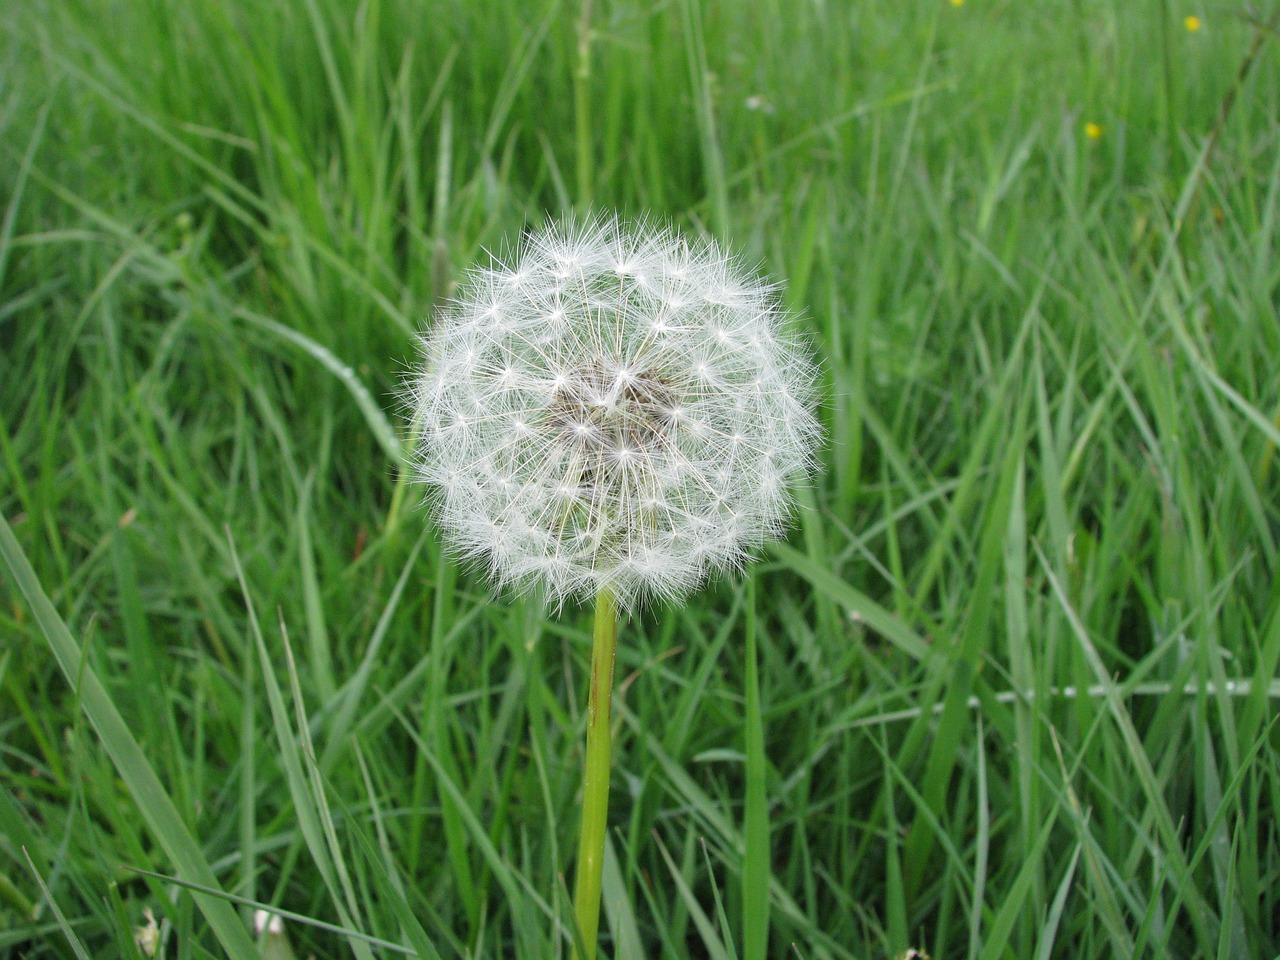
(615, 407)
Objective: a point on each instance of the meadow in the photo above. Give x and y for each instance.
(1015, 691)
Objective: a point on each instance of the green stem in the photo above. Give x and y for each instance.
(755, 826)
(595, 778)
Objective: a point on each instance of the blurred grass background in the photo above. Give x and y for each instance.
(1017, 662)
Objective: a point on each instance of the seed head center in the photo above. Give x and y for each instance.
(609, 408)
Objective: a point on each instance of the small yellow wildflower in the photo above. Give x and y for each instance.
(957, 3)
(1192, 23)
(1093, 130)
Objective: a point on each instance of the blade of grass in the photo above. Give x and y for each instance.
(706, 929)
(321, 661)
(1141, 762)
(290, 915)
(374, 415)
(855, 602)
(154, 804)
(16, 189)
(966, 660)
(1049, 929)
(982, 849)
(313, 819)
(61, 918)
(341, 729)
(995, 939)
(726, 929)
(618, 909)
(713, 168)
(510, 880)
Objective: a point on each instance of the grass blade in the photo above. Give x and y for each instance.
(374, 415)
(61, 918)
(154, 805)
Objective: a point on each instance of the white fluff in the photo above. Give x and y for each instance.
(614, 408)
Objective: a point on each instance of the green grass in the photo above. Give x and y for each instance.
(1016, 687)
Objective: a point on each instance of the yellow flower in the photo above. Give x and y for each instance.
(1192, 23)
(957, 3)
(1093, 130)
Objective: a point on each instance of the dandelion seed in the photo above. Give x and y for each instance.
(628, 367)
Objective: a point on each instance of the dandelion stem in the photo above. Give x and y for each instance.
(595, 779)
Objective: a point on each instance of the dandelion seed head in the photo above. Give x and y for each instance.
(613, 407)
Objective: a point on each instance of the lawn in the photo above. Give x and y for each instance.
(1016, 661)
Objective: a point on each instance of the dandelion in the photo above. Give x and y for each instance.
(614, 412)
(1093, 130)
(1192, 23)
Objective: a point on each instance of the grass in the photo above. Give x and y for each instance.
(1012, 690)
